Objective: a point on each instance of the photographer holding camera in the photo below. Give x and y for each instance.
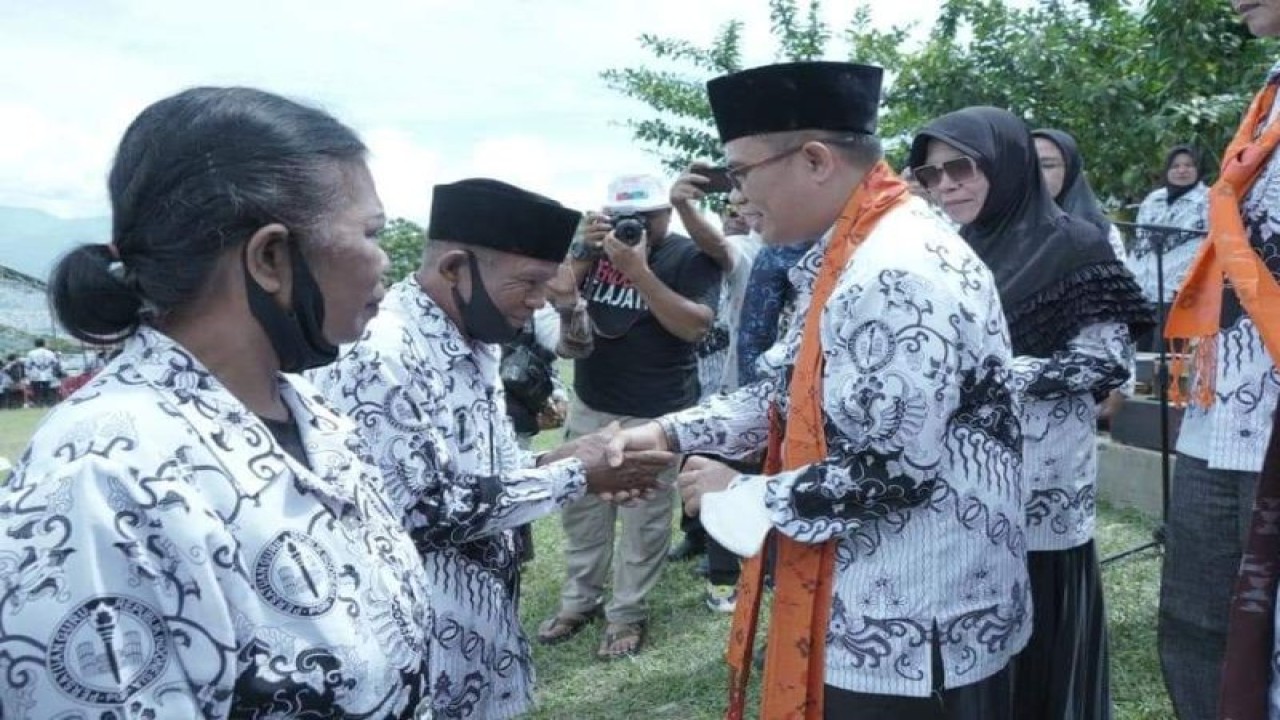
(651, 296)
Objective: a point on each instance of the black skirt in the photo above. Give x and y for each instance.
(1064, 674)
(988, 699)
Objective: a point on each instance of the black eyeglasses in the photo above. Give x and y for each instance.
(738, 175)
(961, 169)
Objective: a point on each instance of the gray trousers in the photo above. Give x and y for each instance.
(1209, 513)
(590, 528)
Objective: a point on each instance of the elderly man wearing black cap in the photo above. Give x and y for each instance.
(424, 388)
(893, 483)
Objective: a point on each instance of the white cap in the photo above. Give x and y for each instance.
(637, 193)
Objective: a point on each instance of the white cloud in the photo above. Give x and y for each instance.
(439, 90)
(404, 172)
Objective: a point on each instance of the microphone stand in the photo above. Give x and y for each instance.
(1158, 236)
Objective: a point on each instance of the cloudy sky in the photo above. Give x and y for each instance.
(439, 89)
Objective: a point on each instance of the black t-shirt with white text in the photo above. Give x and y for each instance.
(638, 368)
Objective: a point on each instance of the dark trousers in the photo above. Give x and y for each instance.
(989, 699)
(1209, 513)
(723, 567)
(43, 393)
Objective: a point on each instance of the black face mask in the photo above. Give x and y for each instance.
(297, 336)
(481, 319)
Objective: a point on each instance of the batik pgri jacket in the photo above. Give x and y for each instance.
(430, 405)
(1189, 212)
(1060, 395)
(922, 487)
(1233, 432)
(162, 557)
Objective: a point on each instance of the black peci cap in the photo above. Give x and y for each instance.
(839, 96)
(493, 214)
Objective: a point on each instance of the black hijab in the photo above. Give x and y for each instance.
(1076, 197)
(1056, 274)
(1177, 191)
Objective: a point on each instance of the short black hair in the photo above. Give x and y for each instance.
(197, 174)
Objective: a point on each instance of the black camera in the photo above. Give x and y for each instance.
(630, 228)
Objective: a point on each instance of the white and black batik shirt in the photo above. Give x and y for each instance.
(431, 407)
(1060, 395)
(163, 558)
(1233, 432)
(922, 487)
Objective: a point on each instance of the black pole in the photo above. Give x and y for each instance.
(1160, 234)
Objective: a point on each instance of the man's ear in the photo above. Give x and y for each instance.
(266, 257)
(449, 266)
(821, 159)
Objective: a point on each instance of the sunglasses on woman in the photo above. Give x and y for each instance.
(961, 169)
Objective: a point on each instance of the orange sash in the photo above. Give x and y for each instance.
(1197, 311)
(794, 669)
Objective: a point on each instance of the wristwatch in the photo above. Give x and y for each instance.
(579, 250)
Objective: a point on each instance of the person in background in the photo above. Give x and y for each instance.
(1228, 315)
(1070, 305)
(42, 370)
(1182, 202)
(206, 538)
(651, 296)
(1062, 165)
(734, 248)
(15, 397)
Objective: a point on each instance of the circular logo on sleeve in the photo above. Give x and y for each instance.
(296, 576)
(872, 345)
(107, 649)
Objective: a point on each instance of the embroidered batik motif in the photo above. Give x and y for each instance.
(430, 405)
(164, 558)
(1059, 417)
(1189, 212)
(1232, 433)
(922, 486)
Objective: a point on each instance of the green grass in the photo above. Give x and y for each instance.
(16, 426)
(682, 673)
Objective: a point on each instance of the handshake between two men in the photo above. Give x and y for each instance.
(623, 466)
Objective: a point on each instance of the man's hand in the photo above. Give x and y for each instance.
(630, 260)
(616, 476)
(562, 290)
(596, 229)
(648, 436)
(688, 187)
(700, 476)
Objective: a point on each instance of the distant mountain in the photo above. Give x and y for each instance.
(31, 240)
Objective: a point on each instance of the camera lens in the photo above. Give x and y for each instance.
(629, 230)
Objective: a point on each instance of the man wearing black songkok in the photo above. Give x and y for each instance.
(893, 487)
(424, 389)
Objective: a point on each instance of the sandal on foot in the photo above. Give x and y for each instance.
(632, 634)
(564, 625)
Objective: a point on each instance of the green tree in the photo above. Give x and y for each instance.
(403, 241)
(1128, 81)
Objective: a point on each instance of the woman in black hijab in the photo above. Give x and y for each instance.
(1062, 165)
(1182, 202)
(1070, 305)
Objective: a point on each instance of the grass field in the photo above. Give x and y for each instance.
(682, 674)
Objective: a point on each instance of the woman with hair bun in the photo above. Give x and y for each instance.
(194, 533)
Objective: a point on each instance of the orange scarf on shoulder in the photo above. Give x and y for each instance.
(794, 670)
(1197, 311)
